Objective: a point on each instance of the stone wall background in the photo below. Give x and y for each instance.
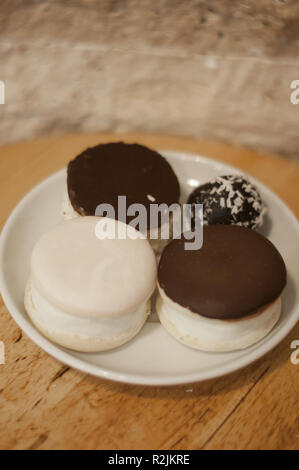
(208, 69)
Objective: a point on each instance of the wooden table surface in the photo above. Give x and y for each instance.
(46, 405)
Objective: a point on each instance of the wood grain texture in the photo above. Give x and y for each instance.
(46, 405)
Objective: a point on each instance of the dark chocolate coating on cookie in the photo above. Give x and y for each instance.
(236, 272)
(100, 174)
(229, 199)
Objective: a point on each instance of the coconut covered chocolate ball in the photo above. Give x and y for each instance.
(229, 199)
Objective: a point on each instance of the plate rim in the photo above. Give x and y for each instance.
(151, 380)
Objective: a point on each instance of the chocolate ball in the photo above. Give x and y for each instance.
(229, 199)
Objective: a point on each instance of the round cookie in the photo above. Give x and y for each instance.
(225, 296)
(102, 173)
(229, 199)
(86, 293)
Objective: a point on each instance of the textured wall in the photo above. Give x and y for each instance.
(215, 69)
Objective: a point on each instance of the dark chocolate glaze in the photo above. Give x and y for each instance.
(236, 272)
(100, 174)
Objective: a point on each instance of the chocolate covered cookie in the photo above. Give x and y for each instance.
(225, 296)
(102, 173)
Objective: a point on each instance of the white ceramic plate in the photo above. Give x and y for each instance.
(153, 357)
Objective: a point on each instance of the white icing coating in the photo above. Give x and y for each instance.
(78, 273)
(102, 326)
(82, 334)
(209, 334)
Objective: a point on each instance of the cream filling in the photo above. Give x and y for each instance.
(57, 320)
(68, 212)
(211, 334)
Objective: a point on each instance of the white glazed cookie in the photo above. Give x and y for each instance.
(86, 293)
